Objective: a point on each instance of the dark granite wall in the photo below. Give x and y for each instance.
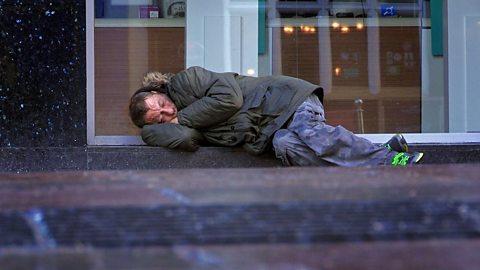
(42, 73)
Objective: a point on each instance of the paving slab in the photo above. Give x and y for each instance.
(420, 217)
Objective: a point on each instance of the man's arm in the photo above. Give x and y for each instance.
(217, 97)
(172, 136)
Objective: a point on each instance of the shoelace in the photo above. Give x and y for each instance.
(400, 159)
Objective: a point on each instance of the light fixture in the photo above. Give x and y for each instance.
(307, 29)
(338, 71)
(288, 29)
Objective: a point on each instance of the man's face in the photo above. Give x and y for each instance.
(161, 109)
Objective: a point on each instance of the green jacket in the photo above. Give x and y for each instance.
(228, 109)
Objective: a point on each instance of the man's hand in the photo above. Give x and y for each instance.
(174, 120)
(173, 136)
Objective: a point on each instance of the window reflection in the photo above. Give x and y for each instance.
(131, 38)
(357, 50)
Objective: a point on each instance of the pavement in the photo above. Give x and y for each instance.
(419, 217)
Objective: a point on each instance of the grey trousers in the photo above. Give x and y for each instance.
(309, 141)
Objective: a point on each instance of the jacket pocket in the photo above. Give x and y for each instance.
(230, 134)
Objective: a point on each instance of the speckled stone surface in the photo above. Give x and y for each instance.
(42, 71)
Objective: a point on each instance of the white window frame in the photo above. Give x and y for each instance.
(92, 139)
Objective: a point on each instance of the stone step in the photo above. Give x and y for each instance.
(18, 159)
(422, 217)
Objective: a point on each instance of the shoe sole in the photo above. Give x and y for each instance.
(418, 158)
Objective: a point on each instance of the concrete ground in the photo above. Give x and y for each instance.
(420, 217)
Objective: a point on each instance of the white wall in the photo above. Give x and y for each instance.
(222, 35)
(462, 72)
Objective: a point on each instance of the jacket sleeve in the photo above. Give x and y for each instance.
(218, 97)
(172, 136)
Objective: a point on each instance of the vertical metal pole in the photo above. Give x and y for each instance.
(359, 110)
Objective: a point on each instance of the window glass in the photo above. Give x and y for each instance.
(373, 58)
(131, 38)
(367, 55)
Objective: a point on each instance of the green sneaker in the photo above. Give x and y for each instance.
(404, 159)
(397, 143)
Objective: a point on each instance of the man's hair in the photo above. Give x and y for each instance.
(153, 82)
(138, 108)
(156, 79)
